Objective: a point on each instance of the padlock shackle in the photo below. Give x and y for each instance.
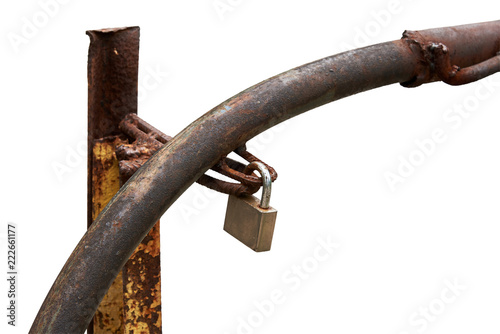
(267, 181)
(125, 221)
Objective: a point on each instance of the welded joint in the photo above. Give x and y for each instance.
(454, 75)
(435, 63)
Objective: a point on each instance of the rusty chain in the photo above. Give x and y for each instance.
(148, 140)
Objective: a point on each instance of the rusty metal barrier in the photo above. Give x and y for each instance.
(455, 55)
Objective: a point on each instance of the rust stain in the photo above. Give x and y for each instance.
(142, 286)
(105, 173)
(108, 318)
(113, 73)
(141, 274)
(133, 303)
(105, 183)
(472, 56)
(148, 140)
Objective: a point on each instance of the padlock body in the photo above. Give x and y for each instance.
(249, 223)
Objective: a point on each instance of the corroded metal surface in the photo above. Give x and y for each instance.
(105, 173)
(112, 94)
(148, 140)
(133, 302)
(131, 214)
(455, 55)
(142, 286)
(113, 65)
(141, 274)
(105, 182)
(112, 76)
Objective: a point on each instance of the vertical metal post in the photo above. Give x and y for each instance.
(104, 183)
(132, 304)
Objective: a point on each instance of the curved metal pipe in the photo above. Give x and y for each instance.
(106, 246)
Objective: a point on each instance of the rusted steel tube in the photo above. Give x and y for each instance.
(471, 47)
(120, 227)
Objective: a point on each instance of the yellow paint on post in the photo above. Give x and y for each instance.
(142, 286)
(105, 183)
(133, 303)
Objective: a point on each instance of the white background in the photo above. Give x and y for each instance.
(397, 248)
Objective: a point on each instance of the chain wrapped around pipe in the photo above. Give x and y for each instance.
(148, 140)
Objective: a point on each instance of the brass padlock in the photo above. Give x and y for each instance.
(249, 220)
